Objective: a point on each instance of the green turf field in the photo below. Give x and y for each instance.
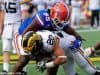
(91, 38)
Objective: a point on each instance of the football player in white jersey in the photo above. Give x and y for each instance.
(38, 46)
(12, 21)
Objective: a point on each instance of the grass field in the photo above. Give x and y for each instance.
(91, 38)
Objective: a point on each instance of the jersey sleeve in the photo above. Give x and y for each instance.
(24, 25)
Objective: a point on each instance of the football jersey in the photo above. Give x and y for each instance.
(40, 21)
(24, 25)
(12, 11)
(48, 39)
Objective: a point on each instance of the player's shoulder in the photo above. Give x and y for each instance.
(46, 33)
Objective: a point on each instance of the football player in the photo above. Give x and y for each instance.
(39, 46)
(12, 21)
(40, 21)
(60, 14)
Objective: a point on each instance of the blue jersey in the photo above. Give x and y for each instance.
(41, 20)
(24, 25)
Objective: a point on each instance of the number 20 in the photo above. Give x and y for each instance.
(50, 40)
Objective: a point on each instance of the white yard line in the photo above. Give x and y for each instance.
(89, 30)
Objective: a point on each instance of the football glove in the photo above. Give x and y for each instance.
(76, 44)
(81, 38)
(41, 66)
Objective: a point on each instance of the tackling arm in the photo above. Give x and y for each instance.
(34, 26)
(71, 31)
(59, 53)
(23, 61)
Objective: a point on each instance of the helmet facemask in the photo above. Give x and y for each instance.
(57, 24)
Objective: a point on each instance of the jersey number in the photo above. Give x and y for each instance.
(47, 18)
(10, 7)
(50, 40)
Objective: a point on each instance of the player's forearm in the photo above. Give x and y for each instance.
(1, 21)
(60, 56)
(71, 31)
(56, 62)
(60, 60)
(29, 28)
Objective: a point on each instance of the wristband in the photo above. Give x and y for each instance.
(50, 64)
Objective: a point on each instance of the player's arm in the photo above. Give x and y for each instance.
(59, 53)
(83, 2)
(18, 67)
(71, 31)
(60, 56)
(32, 27)
(1, 21)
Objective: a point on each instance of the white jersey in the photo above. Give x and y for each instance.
(48, 39)
(12, 11)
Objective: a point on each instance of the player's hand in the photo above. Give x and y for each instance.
(81, 39)
(41, 66)
(76, 44)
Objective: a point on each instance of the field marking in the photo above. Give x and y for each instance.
(88, 30)
(97, 59)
